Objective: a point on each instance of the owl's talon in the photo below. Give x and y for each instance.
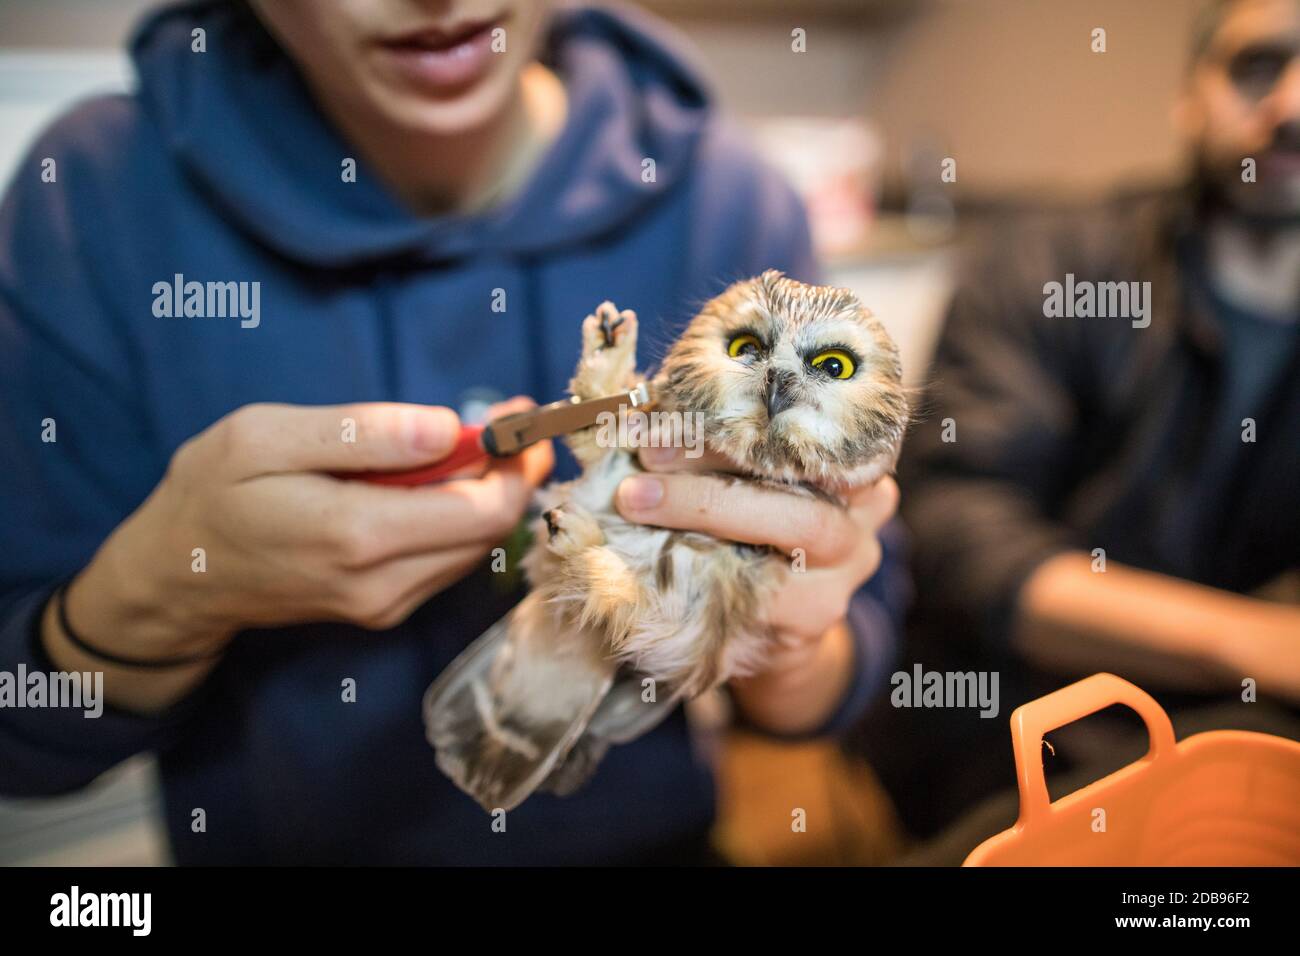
(608, 328)
(602, 327)
(571, 530)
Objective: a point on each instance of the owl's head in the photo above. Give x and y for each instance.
(794, 382)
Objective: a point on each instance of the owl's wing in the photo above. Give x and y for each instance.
(509, 709)
(622, 716)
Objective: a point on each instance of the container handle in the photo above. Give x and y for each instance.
(1029, 722)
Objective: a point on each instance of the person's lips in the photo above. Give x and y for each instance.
(442, 59)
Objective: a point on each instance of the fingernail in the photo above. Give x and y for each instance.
(658, 456)
(430, 433)
(640, 492)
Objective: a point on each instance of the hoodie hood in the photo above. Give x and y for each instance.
(241, 121)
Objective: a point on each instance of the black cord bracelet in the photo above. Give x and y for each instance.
(79, 642)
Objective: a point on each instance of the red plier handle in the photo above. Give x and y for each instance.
(467, 450)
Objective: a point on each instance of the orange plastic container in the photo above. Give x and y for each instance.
(1224, 798)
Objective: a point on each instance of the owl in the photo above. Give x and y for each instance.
(796, 386)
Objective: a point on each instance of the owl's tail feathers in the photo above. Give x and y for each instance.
(506, 713)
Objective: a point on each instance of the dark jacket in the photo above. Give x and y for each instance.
(1078, 433)
(220, 168)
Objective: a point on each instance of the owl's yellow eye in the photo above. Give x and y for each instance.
(744, 345)
(834, 362)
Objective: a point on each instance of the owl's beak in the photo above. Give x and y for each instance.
(779, 393)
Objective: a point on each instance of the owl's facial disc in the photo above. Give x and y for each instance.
(786, 394)
(795, 382)
(788, 384)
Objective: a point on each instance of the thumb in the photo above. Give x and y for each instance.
(378, 436)
(876, 503)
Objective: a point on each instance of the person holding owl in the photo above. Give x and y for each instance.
(389, 172)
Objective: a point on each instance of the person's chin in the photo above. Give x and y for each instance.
(456, 115)
(1271, 198)
(1280, 179)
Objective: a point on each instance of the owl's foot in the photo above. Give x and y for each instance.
(608, 363)
(606, 328)
(611, 320)
(582, 573)
(570, 531)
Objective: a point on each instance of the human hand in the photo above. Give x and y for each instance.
(284, 542)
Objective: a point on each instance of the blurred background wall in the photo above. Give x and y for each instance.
(886, 88)
(1010, 87)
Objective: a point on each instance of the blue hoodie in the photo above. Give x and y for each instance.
(221, 169)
